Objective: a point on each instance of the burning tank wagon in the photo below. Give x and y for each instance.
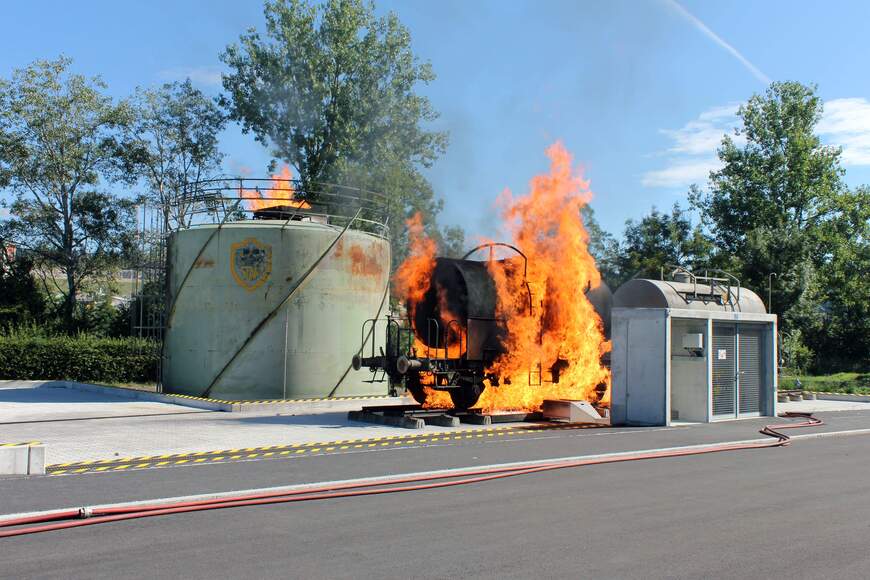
(449, 339)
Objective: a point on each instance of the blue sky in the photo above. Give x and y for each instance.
(640, 91)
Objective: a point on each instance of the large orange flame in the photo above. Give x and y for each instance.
(413, 278)
(559, 336)
(411, 282)
(279, 193)
(554, 338)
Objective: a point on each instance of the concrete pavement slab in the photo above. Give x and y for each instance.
(70, 441)
(22, 402)
(821, 406)
(65, 420)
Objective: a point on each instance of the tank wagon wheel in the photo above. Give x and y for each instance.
(412, 384)
(467, 394)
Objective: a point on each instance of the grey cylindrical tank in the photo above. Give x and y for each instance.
(464, 287)
(644, 293)
(245, 271)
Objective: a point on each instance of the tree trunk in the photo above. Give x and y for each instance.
(69, 308)
(70, 262)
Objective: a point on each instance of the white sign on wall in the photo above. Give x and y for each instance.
(723, 354)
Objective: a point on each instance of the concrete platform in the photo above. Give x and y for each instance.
(30, 401)
(82, 425)
(338, 403)
(823, 405)
(843, 397)
(70, 441)
(79, 426)
(269, 405)
(149, 402)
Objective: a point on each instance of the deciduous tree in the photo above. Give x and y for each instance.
(60, 147)
(779, 205)
(174, 141)
(603, 246)
(661, 240)
(331, 89)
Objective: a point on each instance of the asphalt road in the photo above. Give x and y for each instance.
(798, 512)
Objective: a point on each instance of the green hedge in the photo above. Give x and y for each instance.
(78, 358)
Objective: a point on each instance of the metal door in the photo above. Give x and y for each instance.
(749, 376)
(724, 370)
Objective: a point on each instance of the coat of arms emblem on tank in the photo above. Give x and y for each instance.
(250, 263)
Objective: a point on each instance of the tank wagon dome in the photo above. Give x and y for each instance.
(271, 307)
(645, 293)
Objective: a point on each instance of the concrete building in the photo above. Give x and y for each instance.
(695, 349)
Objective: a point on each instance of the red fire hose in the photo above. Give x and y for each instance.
(90, 516)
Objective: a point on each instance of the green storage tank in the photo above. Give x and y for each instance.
(219, 296)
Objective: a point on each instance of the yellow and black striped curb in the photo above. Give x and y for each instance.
(297, 449)
(22, 444)
(276, 401)
(839, 394)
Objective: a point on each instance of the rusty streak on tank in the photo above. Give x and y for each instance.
(363, 264)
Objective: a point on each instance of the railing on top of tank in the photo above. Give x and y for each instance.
(726, 283)
(241, 198)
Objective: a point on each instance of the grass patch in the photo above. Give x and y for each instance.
(853, 383)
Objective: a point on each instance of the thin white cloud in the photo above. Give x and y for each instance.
(703, 135)
(723, 112)
(4, 212)
(200, 75)
(846, 123)
(681, 173)
(692, 155)
(756, 72)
